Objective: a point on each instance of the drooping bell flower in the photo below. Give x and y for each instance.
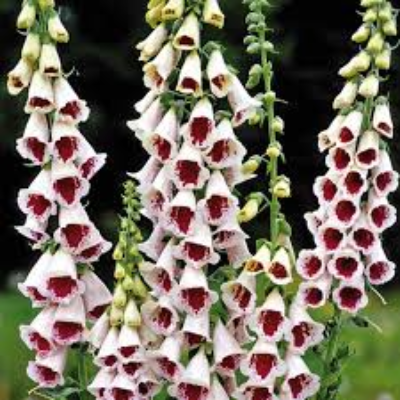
(89, 162)
(96, 296)
(173, 10)
(315, 294)
(37, 335)
(354, 183)
(49, 61)
(154, 245)
(238, 253)
(315, 219)
(229, 234)
(347, 96)
(99, 332)
(242, 104)
(363, 237)
(101, 383)
(196, 329)
(385, 180)
(260, 261)
(19, 77)
(379, 270)
(212, 14)
(351, 128)
(367, 155)
(33, 230)
(381, 215)
(237, 325)
(48, 372)
(121, 387)
(38, 199)
(350, 296)
(382, 120)
(225, 150)
(236, 175)
(190, 78)
(311, 264)
(280, 268)
(66, 142)
(107, 357)
(340, 159)
(193, 295)
(40, 96)
(69, 322)
(269, 320)
(148, 385)
(345, 211)
(218, 74)
(34, 145)
(330, 237)
(129, 344)
(151, 46)
(188, 36)
(346, 264)
(326, 188)
(146, 175)
(329, 137)
(143, 105)
(251, 390)
(70, 108)
(95, 247)
(132, 367)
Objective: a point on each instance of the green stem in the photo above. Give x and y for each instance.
(83, 375)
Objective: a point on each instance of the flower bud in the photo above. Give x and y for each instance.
(212, 14)
(274, 150)
(370, 16)
(132, 316)
(173, 10)
(375, 44)
(369, 87)
(251, 165)
(20, 77)
(49, 63)
(119, 272)
(116, 316)
(139, 288)
(118, 254)
(120, 297)
(26, 17)
(384, 59)
(255, 119)
(57, 30)
(390, 28)
(347, 96)
(249, 211)
(361, 62)
(155, 3)
(362, 34)
(128, 283)
(45, 4)
(282, 188)
(154, 15)
(31, 48)
(370, 3)
(270, 97)
(278, 125)
(385, 14)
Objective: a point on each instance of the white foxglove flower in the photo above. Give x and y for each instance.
(237, 325)
(345, 211)
(107, 356)
(346, 265)
(161, 142)
(195, 380)
(251, 390)
(351, 128)
(48, 372)
(121, 386)
(129, 344)
(363, 237)
(380, 213)
(367, 155)
(354, 183)
(300, 383)
(142, 105)
(280, 268)
(240, 295)
(38, 199)
(69, 322)
(99, 332)
(95, 247)
(260, 261)
(347, 96)
(311, 264)
(33, 230)
(190, 78)
(369, 87)
(263, 363)
(269, 321)
(148, 385)
(37, 335)
(242, 104)
(196, 329)
(382, 120)
(68, 184)
(66, 142)
(315, 219)
(193, 295)
(351, 296)
(131, 368)
(153, 43)
(34, 145)
(96, 296)
(188, 36)
(315, 294)
(238, 254)
(329, 137)
(154, 245)
(326, 188)
(49, 62)
(146, 175)
(229, 235)
(19, 77)
(330, 237)
(384, 178)
(212, 14)
(31, 48)
(101, 383)
(40, 96)
(218, 74)
(89, 162)
(70, 108)
(340, 159)
(160, 68)
(379, 270)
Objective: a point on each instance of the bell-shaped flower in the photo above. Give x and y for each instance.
(96, 296)
(380, 213)
(132, 316)
(384, 178)
(311, 264)
(251, 390)
(19, 77)
(196, 329)
(57, 30)
(280, 269)
(146, 175)
(347, 96)
(48, 372)
(122, 387)
(188, 36)
(369, 87)
(300, 383)
(229, 235)
(153, 43)
(263, 363)
(197, 250)
(330, 236)
(326, 188)
(190, 78)
(237, 325)
(354, 183)
(260, 261)
(367, 155)
(132, 367)
(160, 316)
(101, 383)
(218, 74)
(242, 104)
(70, 108)
(363, 236)
(269, 321)
(49, 61)
(38, 199)
(315, 219)
(239, 253)
(33, 230)
(236, 175)
(157, 71)
(193, 295)
(194, 383)
(219, 204)
(346, 264)
(382, 120)
(148, 121)
(161, 142)
(180, 216)
(329, 137)
(148, 385)
(34, 145)
(69, 322)
(89, 162)
(154, 245)
(95, 247)
(226, 150)
(345, 211)
(379, 270)
(315, 294)
(143, 105)
(99, 331)
(68, 184)
(66, 142)
(340, 159)
(351, 296)
(212, 14)
(157, 197)
(37, 335)
(240, 295)
(166, 360)
(40, 96)
(161, 275)
(173, 10)
(107, 358)
(34, 287)
(351, 128)
(129, 344)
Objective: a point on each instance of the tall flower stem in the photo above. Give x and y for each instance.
(83, 373)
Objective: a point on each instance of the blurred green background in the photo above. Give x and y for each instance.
(313, 39)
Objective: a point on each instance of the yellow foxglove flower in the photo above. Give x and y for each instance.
(188, 36)
(57, 30)
(26, 17)
(212, 14)
(31, 48)
(282, 188)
